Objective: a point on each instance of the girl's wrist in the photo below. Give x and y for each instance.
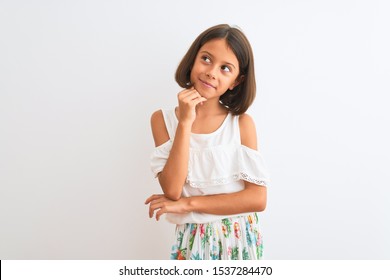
(190, 205)
(185, 125)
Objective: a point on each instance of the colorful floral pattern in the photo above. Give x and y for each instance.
(236, 238)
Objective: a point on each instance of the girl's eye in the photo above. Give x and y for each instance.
(206, 59)
(225, 68)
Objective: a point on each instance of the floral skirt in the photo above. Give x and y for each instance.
(235, 238)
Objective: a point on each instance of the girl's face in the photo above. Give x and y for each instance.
(215, 69)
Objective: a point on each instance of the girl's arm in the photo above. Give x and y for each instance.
(252, 199)
(174, 173)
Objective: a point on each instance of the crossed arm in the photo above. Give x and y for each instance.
(251, 199)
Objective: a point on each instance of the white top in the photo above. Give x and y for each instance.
(218, 163)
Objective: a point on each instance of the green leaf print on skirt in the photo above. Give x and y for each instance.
(235, 238)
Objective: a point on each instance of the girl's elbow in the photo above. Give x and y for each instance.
(260, 202)
(261, 207)
(258, 207)
(172, 196)
(263, 203)
(172, 193)
(259, 199)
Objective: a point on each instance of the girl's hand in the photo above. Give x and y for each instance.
(160, 204)
(188, 100)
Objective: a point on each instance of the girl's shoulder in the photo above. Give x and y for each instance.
(159, 129)
(156, 116)
(248, 133)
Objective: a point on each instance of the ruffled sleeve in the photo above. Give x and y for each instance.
(252, 167)
(159, 157)
(224, 164)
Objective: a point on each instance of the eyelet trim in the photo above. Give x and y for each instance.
(226, 180)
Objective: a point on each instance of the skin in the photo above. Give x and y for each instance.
(215, 70)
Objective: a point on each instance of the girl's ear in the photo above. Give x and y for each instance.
(237, 82)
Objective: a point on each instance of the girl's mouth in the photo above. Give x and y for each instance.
(207, 84)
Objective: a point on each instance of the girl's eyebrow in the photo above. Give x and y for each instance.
(225, 62)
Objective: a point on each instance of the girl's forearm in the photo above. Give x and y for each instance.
(252, 199)
(173, 176)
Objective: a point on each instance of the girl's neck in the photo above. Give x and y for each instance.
(210, 108)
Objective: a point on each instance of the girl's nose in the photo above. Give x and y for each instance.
(210, 74)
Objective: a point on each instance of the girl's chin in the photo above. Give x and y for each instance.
(203, 90)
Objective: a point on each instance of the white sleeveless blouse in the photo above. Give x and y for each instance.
(218, 163)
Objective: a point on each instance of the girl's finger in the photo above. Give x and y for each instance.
(152, 197)
(186, 92)
(191, 96)
(159, 213)
(154, 206)
(198, 100)
(149, 199)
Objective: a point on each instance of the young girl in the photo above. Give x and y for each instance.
(206, 160)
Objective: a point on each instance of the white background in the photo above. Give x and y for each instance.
(79, 80)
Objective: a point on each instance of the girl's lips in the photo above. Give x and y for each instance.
(207, 84)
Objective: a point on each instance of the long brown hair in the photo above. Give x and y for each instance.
(241, 97)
